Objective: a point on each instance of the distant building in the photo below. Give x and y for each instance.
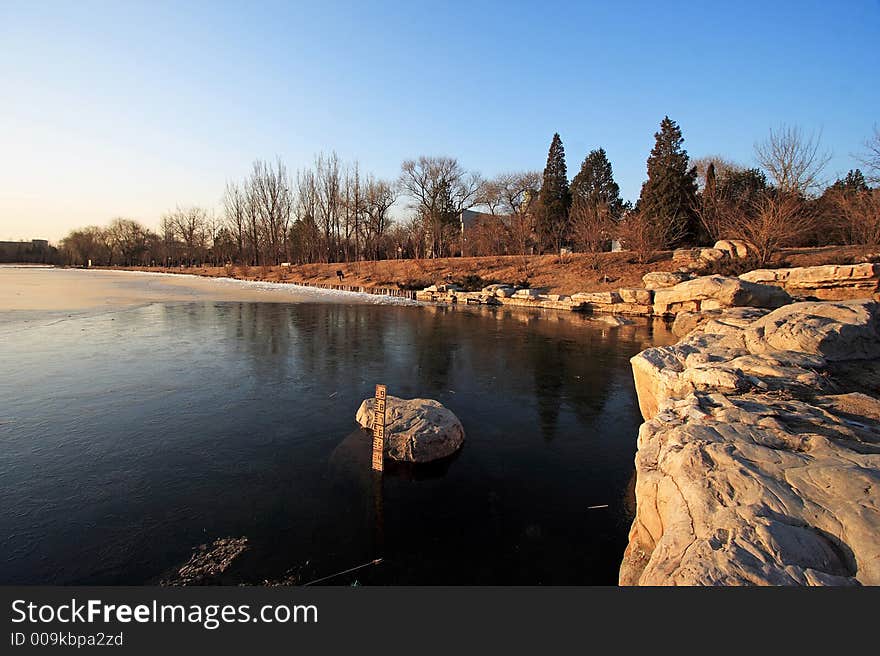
(35, 251)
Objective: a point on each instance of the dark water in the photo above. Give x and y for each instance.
(128, 438)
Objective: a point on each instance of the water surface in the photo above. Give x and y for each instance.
(129, 437)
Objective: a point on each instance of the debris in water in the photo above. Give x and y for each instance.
(604, 505)
(208, 563)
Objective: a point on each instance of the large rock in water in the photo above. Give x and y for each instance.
(716, 292)
(416, 430)
(759, 462)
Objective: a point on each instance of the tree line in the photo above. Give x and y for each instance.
(332, 211)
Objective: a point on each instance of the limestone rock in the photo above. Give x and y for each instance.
(735, 248)
(636, 296)
(756, 466)
(825, 282)
(754, 491)
(416, 430)
(596, 298)
(714, 292)
(712, 254)
(846, 330)
(662, 279)
(688, 258)
(499, 290)
(686, 322)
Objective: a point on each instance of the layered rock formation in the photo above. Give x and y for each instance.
(716, 292)
(826, 282)
(416, 430)
(759, 461)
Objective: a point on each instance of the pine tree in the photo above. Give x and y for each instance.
(554, 198)
(594, 185)
(596, 206)
(709, 190)
(668, 195)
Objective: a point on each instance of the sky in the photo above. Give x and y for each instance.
(129, 109)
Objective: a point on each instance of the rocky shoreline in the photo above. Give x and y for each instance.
(759, 459)
(669, 293)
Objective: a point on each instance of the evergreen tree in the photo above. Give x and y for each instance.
(709, 190)
(668, 195)
(854, 182)
(554, 199)
(594, 186)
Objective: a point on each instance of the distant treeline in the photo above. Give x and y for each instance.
(36, 251)
(334, 212)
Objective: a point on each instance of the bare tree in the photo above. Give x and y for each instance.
(440, 189)
(306, 208)
(329, 182)
(491, 194)
(859, 215)
(84, 246)
(380, 196)
(271, 196)
(235, 208)
(590, 225)
(644, 237)
(518, 193)
(129, 239)
(722, 166)
(189, 224)
(793, 161)
(871, 157)
(769, 222)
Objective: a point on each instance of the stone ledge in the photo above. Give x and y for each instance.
(759, 460)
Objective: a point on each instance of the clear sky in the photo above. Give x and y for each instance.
(128, 109)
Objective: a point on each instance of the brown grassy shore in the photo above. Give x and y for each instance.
(574, 273)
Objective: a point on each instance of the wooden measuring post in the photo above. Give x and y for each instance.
(379, 428)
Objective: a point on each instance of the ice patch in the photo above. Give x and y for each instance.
(289, 288)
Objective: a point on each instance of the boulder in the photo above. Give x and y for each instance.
(735, 248)
(714, 292)
(755, 490)
(637, 296)
(663, 279)
(499, 290)
(416, 430)
(686, 322)
(686, 257)
(756, 464)
(527, 293)
(846, 330)
(712, 254)
(825, 282)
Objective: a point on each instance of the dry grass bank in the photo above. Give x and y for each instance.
(573, 273)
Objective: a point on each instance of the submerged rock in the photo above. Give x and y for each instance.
(416, 430)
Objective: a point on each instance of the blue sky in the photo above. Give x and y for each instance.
(127, 109)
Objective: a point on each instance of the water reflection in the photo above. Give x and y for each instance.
(130, 439)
